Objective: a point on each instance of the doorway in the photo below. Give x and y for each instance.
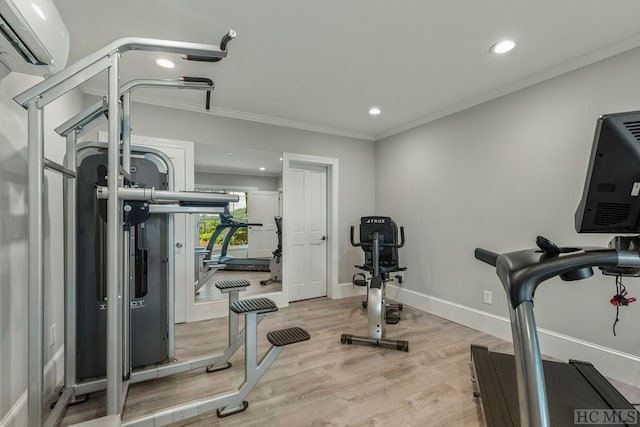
(310, 226)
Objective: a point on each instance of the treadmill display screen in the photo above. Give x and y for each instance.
(611, 197)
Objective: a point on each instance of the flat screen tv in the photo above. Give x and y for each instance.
(611, 196)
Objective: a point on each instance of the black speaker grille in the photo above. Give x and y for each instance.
(611, 213)
(634, 129)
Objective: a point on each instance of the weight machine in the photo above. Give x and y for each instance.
(151, 306)
(118, 196)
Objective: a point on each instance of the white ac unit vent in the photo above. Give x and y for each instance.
(33, 37)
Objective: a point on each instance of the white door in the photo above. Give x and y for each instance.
(262, 207)
(307, 253)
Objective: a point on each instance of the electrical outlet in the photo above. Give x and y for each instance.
(487, 297)
(52, 335)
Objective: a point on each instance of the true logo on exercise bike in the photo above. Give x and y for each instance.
(375, 221)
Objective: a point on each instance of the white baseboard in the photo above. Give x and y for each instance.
(17, 414)
(53, 371)
(53, 374)
(345, 290)
(614, 364)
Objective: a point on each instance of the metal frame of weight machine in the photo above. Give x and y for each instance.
(34, 100)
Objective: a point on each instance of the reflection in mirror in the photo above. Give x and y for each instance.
(244, 242)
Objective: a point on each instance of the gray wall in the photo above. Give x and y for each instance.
(262, 183)
(13, 244)
(496, 176)
(356, 157)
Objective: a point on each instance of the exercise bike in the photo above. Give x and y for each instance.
(379, 241)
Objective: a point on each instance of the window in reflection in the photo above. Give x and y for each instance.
(208, 222)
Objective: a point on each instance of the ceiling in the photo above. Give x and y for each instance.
(237, 160)
(320, 65)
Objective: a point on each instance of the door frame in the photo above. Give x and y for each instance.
(331, 164)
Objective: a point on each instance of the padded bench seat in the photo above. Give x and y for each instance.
(232, 284)
(255, 305)
(288, 336)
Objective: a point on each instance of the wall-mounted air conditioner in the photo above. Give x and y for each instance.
(33, 37)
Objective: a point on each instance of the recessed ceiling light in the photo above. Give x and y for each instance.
(503, 46)
(281, 158)
(262, 168)
(165, 63)
(374, 111)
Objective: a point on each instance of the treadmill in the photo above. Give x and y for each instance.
(230, 263)
(522, 390)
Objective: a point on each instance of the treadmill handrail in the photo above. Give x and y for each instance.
(486, 256)
(522, 272)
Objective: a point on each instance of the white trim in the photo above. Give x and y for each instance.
(614, 364)
(15, 410)
(346, 290)
(530, 80)
(332, 216)
(477, 319)
(221, 170)
(53, 373)
(236, 114)
(206, 187)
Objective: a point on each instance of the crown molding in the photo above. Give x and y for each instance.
(236, 114)
(530, 80)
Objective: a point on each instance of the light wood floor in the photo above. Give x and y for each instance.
(323, 383)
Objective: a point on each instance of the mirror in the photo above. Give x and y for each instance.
(244, 242)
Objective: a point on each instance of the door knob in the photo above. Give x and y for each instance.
(179, 245)
(323, 238)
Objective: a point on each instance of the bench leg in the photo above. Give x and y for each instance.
(235, 338)
(253, 370)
